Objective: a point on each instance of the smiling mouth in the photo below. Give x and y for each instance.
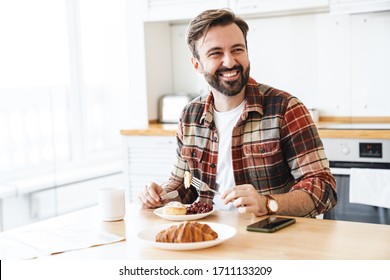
(229, 74)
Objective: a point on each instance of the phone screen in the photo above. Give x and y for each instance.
(270, 224)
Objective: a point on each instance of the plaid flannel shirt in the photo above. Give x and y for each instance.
(275, 147)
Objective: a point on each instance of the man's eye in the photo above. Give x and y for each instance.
(213, 54)
(238, 50)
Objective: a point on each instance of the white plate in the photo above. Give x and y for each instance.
(190, 217)
(148, 235)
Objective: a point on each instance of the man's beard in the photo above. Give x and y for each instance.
(228, 88)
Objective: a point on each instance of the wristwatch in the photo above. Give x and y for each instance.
(271, 204)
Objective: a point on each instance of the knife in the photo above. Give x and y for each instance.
(170, 195)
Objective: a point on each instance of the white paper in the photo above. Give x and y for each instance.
(11, 249)
(46, 241)
(370, 187)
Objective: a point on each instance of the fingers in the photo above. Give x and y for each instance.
(243, 197)
(149, 197)
(239, 191)
(245, 204)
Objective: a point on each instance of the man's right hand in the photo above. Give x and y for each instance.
(149, 197)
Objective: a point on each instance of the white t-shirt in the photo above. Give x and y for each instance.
(225, 122)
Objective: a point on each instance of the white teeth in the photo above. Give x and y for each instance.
(228, 75)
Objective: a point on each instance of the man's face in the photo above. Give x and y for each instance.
(223, 59)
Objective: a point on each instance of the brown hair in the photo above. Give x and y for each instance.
(201, 24)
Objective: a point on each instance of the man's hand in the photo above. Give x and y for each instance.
(149, 197)
(246, 199)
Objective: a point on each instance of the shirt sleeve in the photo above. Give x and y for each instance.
(306, 157)
(176, 178)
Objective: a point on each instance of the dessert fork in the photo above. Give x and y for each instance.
(202, 186)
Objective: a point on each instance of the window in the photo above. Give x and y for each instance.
(63, 80)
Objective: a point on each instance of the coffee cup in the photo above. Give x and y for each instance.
(111, 203)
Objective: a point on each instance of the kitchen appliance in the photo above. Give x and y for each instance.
(171, 106)
(347, 153)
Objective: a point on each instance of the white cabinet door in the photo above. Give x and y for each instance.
(358, 6)
(161, 10)
(370, 64)
(269, 7)
(147, 159)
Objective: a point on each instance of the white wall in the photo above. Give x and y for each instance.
(338, 64)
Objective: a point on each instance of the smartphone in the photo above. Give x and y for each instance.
(270, 224)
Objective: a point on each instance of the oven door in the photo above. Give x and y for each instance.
(347, 211)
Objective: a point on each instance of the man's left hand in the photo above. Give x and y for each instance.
(246, 199)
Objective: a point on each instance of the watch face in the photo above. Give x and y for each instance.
(273, 205)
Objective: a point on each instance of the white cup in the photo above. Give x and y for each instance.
(112, 204)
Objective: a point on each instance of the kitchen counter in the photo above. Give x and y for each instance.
(154, 129)
(328, 127)
(354, 133)
(307, 239)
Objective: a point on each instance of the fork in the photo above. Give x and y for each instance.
(202, 186)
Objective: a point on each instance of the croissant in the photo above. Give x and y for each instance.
(187, 232)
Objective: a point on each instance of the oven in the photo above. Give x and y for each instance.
(347, 153)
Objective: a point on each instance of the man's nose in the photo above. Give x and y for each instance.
(229, 60)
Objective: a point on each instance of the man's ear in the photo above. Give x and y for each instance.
(195, 62)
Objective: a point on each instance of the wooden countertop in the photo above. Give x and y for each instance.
(156, 129)
(355, 133)
(307, 239)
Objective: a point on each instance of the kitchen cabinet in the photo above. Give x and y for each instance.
(147, 159)
(370, 63)
(171, 10)
(163, 10)
(273, 7)
(358, 6)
